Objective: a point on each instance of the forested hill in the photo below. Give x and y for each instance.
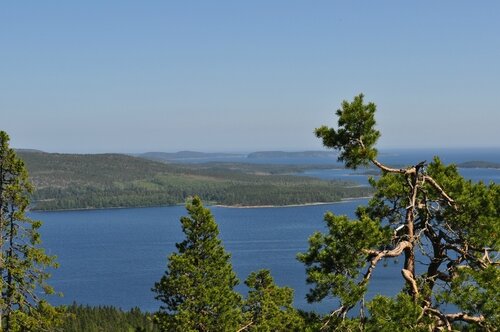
(186, 156)
(479, 164)
(77, 181)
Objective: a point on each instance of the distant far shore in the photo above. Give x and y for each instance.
(236, 206)
(289, 205)
(103, 208)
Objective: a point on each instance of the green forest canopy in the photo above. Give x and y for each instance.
(73, 181)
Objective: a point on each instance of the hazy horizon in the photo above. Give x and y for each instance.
(381, 150)
(127, 76)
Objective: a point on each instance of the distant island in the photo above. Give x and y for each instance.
(87, 181)
(479, 164)
(194, 155)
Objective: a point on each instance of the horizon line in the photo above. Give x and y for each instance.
(248, 151)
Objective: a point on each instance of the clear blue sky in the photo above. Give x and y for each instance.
(132, 76)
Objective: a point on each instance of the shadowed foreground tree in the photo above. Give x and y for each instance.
(269, 307)
(22, 261)
(197, 289)
(444, 227)
(84, 318)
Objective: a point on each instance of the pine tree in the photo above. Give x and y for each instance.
(197, 289)
(425, 213)
(269, 307)
(22, 260)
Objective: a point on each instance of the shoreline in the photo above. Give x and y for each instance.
(106, 208)
(289, 205)
(207, 205)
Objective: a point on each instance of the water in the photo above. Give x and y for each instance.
(114, 256)
(389, 156)
(448, 156)
(360, 176)
(486, 175)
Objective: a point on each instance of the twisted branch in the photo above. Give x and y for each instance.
(433, 182)
(374, 256)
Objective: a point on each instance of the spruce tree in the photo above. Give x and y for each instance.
(269, 307)
(22, 260)
(197, 289)
(444, 228)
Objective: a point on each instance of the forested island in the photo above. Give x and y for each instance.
(479, 164)
(86, 181)
(183, 156)
(78, 181)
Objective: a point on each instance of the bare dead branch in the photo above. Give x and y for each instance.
(377, 255)
(388, 253)
(388, 169)
(441, 317)
(462, 316)
(433, 182)
(334, 313)
(465, 254)
(408, 276)
(377, 163)
(446, 319)
(245, 327)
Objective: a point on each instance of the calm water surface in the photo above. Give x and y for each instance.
(360, 176)
(114, 256)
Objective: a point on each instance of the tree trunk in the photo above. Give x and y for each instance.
(409, 266)
(1, 239)
(9, 286)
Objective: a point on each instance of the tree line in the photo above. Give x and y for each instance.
(167, 190)
(68, 181)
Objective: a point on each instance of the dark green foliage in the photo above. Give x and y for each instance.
(105, 318)
(477, 220)
(395, 314)
(477, 292)
(334, 259)
(312, 320)
(444, 227)
(269, 307)
(355, 137)
(66, 181)
(22, 260)
(461, 243)
(197, 290)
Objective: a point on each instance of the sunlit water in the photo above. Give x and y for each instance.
(114, 256)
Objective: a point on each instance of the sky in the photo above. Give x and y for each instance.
(235, 76)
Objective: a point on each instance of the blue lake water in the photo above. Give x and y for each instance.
(360, 177)
(389, 156)
(114, 256)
